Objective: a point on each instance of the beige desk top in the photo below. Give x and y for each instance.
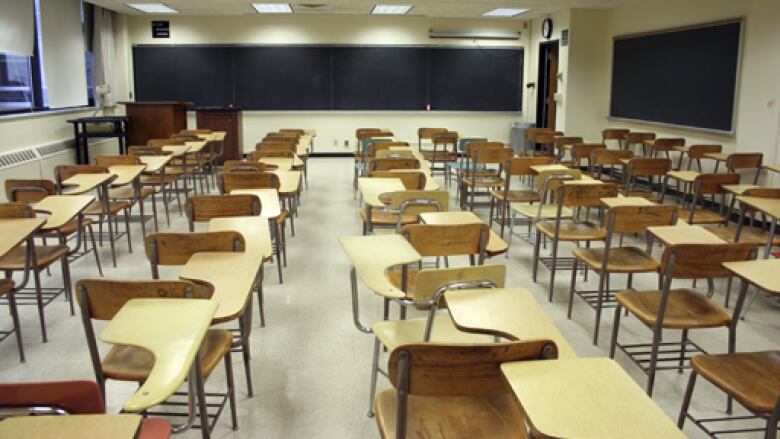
(173, 329)
(13, 231)
(759, 272)
(769, 206)
(123, 426)
(269, 200)
(738, 189)
(289, 181)
(214, 136)
(303, 146)
(62, 208)
(430, 183)
(282, 163)
(373, 255)
(196, 146)
(495, 244)
(717, 156)
(232, 275)
(85, 182)
(541, 168)
(626, 201)
(176, 150)
(257, 235)
(684, 234)
(683, 149)
(686, 176)
(506, 312)
(372, 188)
(125, 174)
(586, 398)
(155, 162)
(773, 168)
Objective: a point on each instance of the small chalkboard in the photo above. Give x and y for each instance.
(161, 29)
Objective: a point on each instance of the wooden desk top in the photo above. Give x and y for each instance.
(303, 148)
(769, 206)
(62, 208)
(495, 244)
(232, 275)
(123, 426)
(255, 230)
(373, 255)
(506, 312)
(269, 200)
(125, 174)
(738, 189)
(173, 329)
(541, 168)
(372, 188)
(686, 176)
(289, 181)
(282, 163)
(155, 162)
(626, 201)
(176, 150)
(586, 398)
(13, 231)
(197, 145)
(717, 156)
(684, 234)
(760, 272)
(773, 168)
(85, 182)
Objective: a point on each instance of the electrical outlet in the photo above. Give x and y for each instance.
(335, 142)
(346, 144)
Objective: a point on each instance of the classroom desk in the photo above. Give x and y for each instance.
(256, 236)
(761, 272)
(430, 183)
(511, 313)
(126, 174)
(773, 168)
(684, 234)
(124, 426)
(586, 398)
(176, 150)
(86, 182)
(495, 244)
(303, 148)
(282, 163)
(626, 201)
(289, 181)
(269, 201)
(768, 206)
(173, 330)
(372, 188)
(15, 230)
(538, 169)
(62, 208)
(155, 162)
(370, 257)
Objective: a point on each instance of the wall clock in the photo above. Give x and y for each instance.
(547, 28)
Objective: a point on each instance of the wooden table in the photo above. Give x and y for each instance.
(769, 206)
(626, 201)
(123, 426)
(684, 234)
(86, 182)
(62, 208)
(586, 398)
(173, 330)
(372, 188)
(155, 162)
(495, 244)
(511, 313)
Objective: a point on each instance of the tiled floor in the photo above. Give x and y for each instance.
(310, 365)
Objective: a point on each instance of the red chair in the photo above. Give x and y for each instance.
(67, 397)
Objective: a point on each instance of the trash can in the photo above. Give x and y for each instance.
(517, 136)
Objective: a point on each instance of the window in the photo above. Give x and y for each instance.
(16, 88)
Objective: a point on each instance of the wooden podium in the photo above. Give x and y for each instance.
(224, 119)
(152, 120)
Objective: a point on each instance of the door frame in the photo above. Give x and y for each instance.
(547, 84)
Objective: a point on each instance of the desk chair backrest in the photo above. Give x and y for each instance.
(430, 283)
(111, 160)
(549, 181)
(473, 147)
(445, 138)
(648, 167)
(389, 154)
(247, 180)
(159, 143)
(64, 172)
(428, 133)
(490, 155)
(448, 240)
(195, 132)
(667, 144)
(567, 140)
(638, 137)
(584, 193)
(696, 152)
(365, 144)
(745, 160)
(242, 166)
(601, 157)
(636, 219)
(145, 150)
(618, 134)
(375, 147)
(360, 133)
(410, 180)
(51, 397)
(205, 207)
(388, 164)
(257, 155)
(178, 248)
(546, 137)
(464, 141)
(28, 191)
(16, 210)
(298, 131)
(585, 151)
(702, 261)
(530, 133)
(415, 202)
(712, 184)
(521, 166)
(269, 145)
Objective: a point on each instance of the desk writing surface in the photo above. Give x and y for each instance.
(506, 312)
(738, 189)
(173, 329)
(373, 255)
(685, 176)
(155, 162)
(430, 183)
(768, 206)
(684, 234)
(124, 426)
(196, 146)
(626, 201)
(125, 174)
(372, 188)
(773, 168)
(542, 168)
(176, 150)
(269, 200)
(257, 235)
(303, 146)
(494, 245)
(586, 398)
(759, 272)
(289, 181)
(62, 208)
(717, 156)
(13, 231)
(232, 274)
(81, 183)
(282, 163)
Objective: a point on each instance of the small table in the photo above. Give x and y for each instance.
(684, 234)
(124, 426)
(173, 330)
(511, 313)
(626, 201)
(495, 244)
(586, 398)
(82, 134)
(769, 206)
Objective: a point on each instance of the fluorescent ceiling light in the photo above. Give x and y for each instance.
(504, 12)
(391, 9)
(153, 8)
(273, 8)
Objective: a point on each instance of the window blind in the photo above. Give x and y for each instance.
(62, 47)
(17, 31)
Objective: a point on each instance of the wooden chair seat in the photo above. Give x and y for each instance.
(752, 378)
(495, 417)
(517, 196)
(128, 193)
(548, 211)
(749, 234)
(381, 217)
(686, 309)
(440, 156)
(131, 363)
(6, 285)
(14, 260)
(395, 333)
(114, 207)
(573, 231)
(701, 217)
(621, 259)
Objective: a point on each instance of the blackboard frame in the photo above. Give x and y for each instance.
(737, 80)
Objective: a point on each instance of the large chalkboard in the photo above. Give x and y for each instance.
(684, 77)
(332, 77)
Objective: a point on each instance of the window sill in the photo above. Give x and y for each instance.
(36, 114)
